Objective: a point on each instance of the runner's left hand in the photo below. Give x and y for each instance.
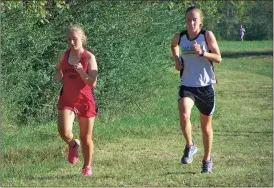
(78, 67)
(197, 48)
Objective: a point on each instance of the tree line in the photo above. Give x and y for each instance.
(33, 32)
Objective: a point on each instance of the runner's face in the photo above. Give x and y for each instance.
(193, 20)
(74, 40)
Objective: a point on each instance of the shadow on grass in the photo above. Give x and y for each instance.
(254, 62)
(54, 177)
(180, 173)
(245, 134)
(240, 54)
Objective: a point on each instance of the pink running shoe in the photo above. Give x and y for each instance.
(87, 171)
(73, 152)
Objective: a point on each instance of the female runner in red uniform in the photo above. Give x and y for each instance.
(78, 69)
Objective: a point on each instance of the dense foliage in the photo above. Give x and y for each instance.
(127, 37)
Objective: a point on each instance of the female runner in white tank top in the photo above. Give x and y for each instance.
(199, 49)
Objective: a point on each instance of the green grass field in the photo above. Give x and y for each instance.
(142, 145)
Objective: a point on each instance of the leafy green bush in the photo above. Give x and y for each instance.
(130, 40)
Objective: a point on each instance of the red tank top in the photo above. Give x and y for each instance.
(76, 93)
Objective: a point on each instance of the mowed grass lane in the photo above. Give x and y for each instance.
(142, 145)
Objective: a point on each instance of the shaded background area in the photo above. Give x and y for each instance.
(126, 37)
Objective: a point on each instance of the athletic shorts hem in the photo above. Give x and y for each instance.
(91, 114)
(203, 97)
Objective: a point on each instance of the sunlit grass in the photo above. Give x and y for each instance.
(142, 145)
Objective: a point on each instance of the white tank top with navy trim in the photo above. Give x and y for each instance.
(198, 71)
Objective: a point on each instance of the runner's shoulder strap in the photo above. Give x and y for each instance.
(182, 34)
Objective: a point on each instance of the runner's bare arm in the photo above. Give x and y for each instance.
(58, 73)
(90, 77)
(175, 51)
(215, 54)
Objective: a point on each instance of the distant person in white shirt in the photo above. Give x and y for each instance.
(241, 32)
